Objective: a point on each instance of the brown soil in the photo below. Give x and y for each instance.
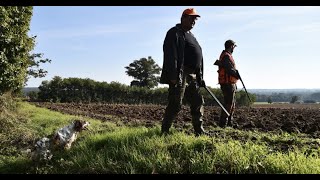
(302, 119)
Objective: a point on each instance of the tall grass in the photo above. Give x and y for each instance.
(109, 148)
(144, 151)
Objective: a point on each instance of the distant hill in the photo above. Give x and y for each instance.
(26, 90)
(271, 91)
(285, 95)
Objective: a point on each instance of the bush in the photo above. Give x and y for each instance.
(13, 131)
(310, 101)
(32, 96)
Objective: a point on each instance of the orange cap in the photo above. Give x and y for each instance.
(190, 12)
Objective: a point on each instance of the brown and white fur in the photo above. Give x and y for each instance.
(62, 139)
(65, 136)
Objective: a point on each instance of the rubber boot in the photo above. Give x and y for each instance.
(223, 122)
(198, 128)
(166, 124)
(230, 120)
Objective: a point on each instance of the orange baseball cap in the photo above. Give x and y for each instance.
(190, 12)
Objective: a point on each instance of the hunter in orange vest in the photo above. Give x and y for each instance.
(227, 77)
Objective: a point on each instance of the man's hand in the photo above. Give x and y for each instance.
(217, 62)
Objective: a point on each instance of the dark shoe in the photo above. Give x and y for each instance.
(164, 132)
(198, 130)
(230, 120)
(197, 134)
(222, 125)
(197, 126)
(223, 122)
(165, 127)
(229, 124)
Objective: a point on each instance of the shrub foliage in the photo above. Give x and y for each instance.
(87, 91)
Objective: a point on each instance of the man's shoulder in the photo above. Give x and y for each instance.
(226, 53)
(174, 29)
(173, 32)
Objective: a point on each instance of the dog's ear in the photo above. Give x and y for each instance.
(76, 121)
(78, 125)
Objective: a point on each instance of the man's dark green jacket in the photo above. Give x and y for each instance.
(173, 57)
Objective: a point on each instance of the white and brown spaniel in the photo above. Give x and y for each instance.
(68, 134)
(62, 139)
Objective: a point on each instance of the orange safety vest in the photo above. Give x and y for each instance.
(224, 77)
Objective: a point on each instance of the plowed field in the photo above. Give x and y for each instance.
(283, 117)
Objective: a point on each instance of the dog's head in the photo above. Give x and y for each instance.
(80, 125)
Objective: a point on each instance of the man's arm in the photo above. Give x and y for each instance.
(199, 74)
(171, 55)
(227, 65)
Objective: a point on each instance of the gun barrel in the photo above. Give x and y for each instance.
(217, 101)
(244, 86)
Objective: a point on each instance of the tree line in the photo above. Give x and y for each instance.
(289, 97)
(89, 91)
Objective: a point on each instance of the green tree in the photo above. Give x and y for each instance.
(44, 93)
(242, 99)
(294, 99)
(34, 65)
(33, 96)
(269, 100)
(145, 72)
(15, 45)
(15, 48)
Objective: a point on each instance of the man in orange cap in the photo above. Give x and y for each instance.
(183, 71)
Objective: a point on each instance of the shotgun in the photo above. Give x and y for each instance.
(244, 86)
(215, 98)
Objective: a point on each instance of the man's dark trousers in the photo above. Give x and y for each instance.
(191, 91)
(229, 91)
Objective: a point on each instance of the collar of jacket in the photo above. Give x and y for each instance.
(179, 27)
(227, 52)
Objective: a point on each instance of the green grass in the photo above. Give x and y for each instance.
(45, 122)
(110, 148)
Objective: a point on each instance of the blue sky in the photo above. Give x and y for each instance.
(277, 45)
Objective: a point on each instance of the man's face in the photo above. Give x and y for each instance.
(232, 47)
(188, 22)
